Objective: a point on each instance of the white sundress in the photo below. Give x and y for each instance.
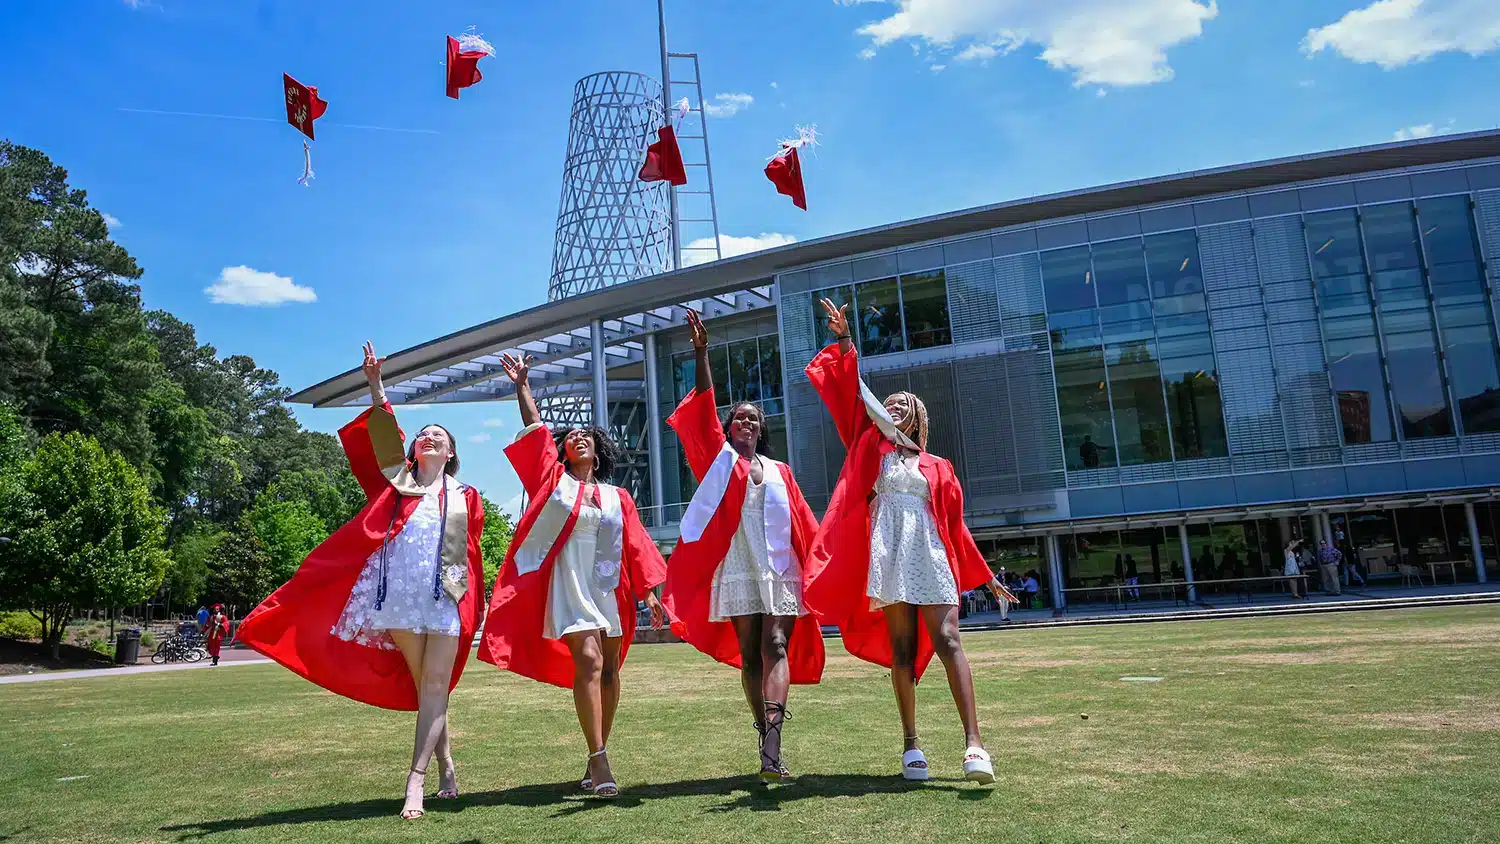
(411, 557)
(908, 563)
(575, 600)
(1291, 568)
(745, 583)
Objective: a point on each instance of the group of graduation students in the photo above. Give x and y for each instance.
(386, 610)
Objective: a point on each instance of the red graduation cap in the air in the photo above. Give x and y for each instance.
(464, 53)
(664, 158)
(303, 105)
(785, 169)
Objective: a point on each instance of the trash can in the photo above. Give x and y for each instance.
(127, 647)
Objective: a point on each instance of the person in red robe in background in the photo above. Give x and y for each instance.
(893, 552)
(563, 610)
(385, 610)
(215, 630)
(735, 580)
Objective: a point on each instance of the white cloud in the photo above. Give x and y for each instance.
(1422, 130)
(494, 423)
(112, 221)
(245, 286)
(774, 85)
(512, 506)
(938, 68)
(1391, 33)
(730, 246)
(1100, 42)
(867, 53)
(728, 105)
(479, 438)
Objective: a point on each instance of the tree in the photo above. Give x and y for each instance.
(92, 536)
(238, 569)
(289, 531)
(335, 500)
(495, 541)
(191, 555)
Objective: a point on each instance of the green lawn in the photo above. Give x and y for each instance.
(1367, 727)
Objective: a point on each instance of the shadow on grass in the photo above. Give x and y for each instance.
(746, 792)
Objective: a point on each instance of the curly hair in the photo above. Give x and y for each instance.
(606, 453)
(451, 468)
(763, 440)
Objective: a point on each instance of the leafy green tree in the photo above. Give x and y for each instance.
(91, 535)
(191, 555)
(238, 570)
(494, 542)
(334, 498)
(288, 530)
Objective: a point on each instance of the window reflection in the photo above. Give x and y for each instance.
(1416, 379)
(744, 371)
(840, 296)
(1391, 237)
(1139, 416)
(770, 374)
(1067, 278)
(718, 368)
(878, 312)
(925, 299)
(1120, 272)
(1173, 262)
(1196, 411)
(1333, 241)
(1083, 399)
(1464, 310)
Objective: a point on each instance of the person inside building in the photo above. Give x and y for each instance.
(384, 610)
(562, 609)
(1292, 568)
(1329, 558)
(735, 579)
(893, 553)
(1031, 587)
(1132, 577)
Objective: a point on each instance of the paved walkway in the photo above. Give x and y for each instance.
(128, 669)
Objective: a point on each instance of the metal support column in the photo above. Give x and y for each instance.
(1187, 563)
(1054, 571)
(666, 101)
(1479, 573)
(601, 378)
(653, 433)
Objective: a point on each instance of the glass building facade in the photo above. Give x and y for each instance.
(1175, 392)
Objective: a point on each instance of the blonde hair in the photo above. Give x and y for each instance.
(918, 413)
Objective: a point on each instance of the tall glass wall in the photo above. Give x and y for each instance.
(896, 314)
(1406, 323)
(742, 370)
(1134, 364)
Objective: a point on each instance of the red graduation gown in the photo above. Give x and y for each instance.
(213, 635)
(512, 637)
(839, 571)
(690, 573)
(295, 625)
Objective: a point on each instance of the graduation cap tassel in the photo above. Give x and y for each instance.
(307, 171)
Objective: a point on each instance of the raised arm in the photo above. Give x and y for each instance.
(834, 373)
(704, 379)
(533, 454)
(519, 370)
(696, 420)
(374, 442)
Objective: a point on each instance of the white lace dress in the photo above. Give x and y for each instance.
(411, 558)
(575, 600)
(745, 583)
(908, 563)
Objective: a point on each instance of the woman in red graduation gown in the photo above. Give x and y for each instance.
(214, 632)
(563, 611)
(735, 580)
(384, 611)
(893, 554)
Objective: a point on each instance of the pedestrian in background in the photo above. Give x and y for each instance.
(1329, 558)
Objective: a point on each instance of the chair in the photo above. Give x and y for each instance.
(1408, 572)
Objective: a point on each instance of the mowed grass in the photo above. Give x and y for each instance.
(1369, 727)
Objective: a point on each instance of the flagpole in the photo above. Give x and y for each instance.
(666, 110)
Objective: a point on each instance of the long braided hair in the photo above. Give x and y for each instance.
(919, 414)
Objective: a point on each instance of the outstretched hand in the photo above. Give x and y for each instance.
(1000, 592)
(517, 368)
(700, 334)
(838, 318)
(372, 364)
(658, 612)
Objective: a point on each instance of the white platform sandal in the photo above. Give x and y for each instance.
(977, 766)
(606, 790)
(914, 765)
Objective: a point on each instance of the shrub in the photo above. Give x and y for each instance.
(147, 639)
(20, 625)
(101, 646)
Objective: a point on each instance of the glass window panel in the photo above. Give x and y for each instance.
(839, 296)
(1195, 408)
(1343, 285)
(684, 374)
(1139, 417)
(1172, 260)
(1083, 402)
(1186, 345)
(776, 429)
(770, 369)
(744, 371)
(1391, 237)
(1175, 324)
(1445, 274)
(1354, 366)
(1186, 304)
(1333, 241)
(1476, 380)
(925, 298)
(1068, 279)
(879, 317)
(1120, 272)
(1079, 335)
(718, 368)
(1447, 230)
(1417, 385)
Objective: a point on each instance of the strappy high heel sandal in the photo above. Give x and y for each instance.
(771, 768)
(606, 790)
(447, 793)
(914, 763)
(412, 814)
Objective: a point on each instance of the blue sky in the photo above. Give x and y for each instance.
(924, 106)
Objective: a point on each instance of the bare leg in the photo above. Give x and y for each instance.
(437, 672)
(901, 622)
(777, 632)
(942, 627)
(609, 683)
(430, 659)
(747, 629)
(588, 668)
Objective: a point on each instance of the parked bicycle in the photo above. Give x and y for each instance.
(179, 648)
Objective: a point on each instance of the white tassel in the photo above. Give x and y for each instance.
(307, 171)
(807, 136)
(683, 107)
(471, 42)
